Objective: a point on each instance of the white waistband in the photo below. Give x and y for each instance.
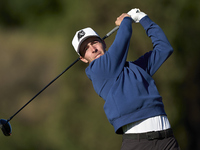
(157, 123)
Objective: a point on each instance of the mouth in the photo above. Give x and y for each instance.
(98, 55)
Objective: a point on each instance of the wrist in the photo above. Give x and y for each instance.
(141, 15)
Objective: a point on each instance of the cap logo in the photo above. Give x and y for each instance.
(81, 34)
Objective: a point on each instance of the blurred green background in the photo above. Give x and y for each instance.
(35, 46)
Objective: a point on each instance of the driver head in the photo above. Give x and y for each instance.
(5, 127)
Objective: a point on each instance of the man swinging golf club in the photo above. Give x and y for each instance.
(133, 104)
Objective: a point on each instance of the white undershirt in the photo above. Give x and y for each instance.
(157, 123)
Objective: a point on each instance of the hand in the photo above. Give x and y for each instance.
(136, 14)
(120, 19)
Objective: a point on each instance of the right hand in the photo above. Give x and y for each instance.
(120, 19)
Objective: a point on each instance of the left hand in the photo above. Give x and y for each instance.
(120, 19)
(136, 15)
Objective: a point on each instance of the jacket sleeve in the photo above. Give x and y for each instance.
(162, 49)
(112, 62)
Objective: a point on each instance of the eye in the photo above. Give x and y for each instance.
(95, 41)
(86, 48)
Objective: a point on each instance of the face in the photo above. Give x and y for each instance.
(91, 49)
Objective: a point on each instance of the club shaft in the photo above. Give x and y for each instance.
(44, 88)
(111, 32)
(107, 35)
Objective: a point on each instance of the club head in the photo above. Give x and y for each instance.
(5, 127)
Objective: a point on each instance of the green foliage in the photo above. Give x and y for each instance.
(20, 12)
(35, 46)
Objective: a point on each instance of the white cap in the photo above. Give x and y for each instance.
(81, 36)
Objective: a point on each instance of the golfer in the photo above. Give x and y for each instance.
(133, 104)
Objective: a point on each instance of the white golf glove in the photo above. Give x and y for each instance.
(136, 14)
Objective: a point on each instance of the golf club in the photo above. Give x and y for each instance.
(5, 124)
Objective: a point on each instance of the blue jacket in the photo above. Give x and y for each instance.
(128, 88)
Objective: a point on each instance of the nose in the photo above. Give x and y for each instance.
(94, 49)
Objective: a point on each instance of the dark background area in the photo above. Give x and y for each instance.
(35, 46)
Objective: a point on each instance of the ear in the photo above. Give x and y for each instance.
(83, 59)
